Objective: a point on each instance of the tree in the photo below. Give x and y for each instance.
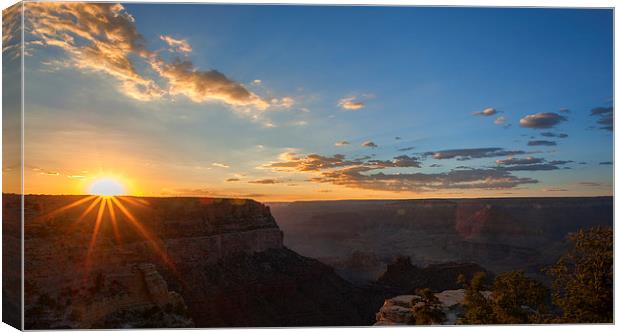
(582, 279)
(518, 299)
(478, 309)
(427, 310)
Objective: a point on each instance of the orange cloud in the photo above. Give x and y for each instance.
(180, 45)
(350, 104)
(201, 86)
(103, 38)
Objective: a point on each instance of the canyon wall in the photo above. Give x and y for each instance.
(360, 238)
(146, 259)
(175, 262)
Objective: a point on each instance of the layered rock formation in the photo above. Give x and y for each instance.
(499, 234)
(175, 262)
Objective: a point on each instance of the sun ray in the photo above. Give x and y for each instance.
(66, 207)
(87, 211)
(134, 201)
(152, 241)
(112, 213)
(97, 225)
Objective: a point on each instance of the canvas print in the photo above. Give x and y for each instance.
(219, 165)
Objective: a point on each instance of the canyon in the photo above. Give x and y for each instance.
(361, 238)
(210, 262)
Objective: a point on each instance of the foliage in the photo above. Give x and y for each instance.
(427, 310)
(478, 309)
(518, 299)
(583, 278)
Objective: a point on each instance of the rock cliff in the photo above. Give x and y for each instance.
(175, 262)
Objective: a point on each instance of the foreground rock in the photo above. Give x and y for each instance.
(399, 310)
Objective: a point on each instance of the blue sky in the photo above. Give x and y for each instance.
(415, 73)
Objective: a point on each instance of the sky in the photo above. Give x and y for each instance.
(281, 103)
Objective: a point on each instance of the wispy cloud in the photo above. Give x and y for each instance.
(370, 144)
(180, 45)
(102, 37)
(606, 117)
(549, 134)
(265, 181)
(220, 165)
(466, 154)
(341, 143)
(541, 143)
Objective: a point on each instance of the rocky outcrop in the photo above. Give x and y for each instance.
(137, 289)
(403, 277)
(277, 287)
(399, 310)
(139, 274)
(191, 262)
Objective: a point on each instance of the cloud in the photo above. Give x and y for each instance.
(220, 165)
(300, 123)
(102, 37)
(500, 120)
(265, 181)
(201, 86)
(341, 143)
(549, 134)
(350, 104)
(180, 45)
(398, 138)
(311, 162)
(606, 163)
(399, 161)
(530, 164)
(97, 37)
(257, 82)
(290, 161)
(370, 144)
(409, 148)
(284, 102)
(554, 189)
(541, 120)
(232, 180)
(520, 161)
(564, 110)
(466, 154)
(358, 177)
(537, 167)
(12, 31)
(486, 112)
(590, 184)
(541, 143)
(606, 117)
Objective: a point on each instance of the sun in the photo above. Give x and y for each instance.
(106, 187)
